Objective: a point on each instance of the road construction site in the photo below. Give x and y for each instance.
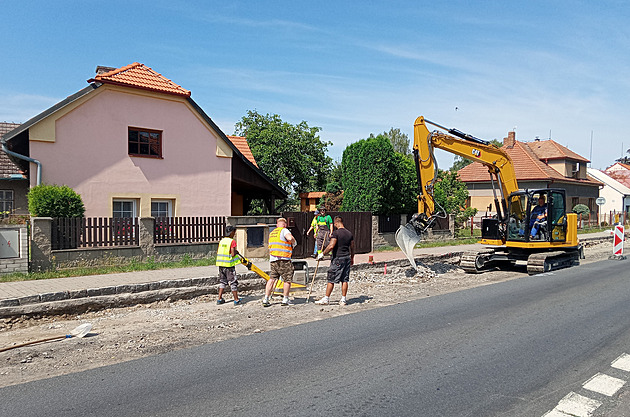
(142, 327)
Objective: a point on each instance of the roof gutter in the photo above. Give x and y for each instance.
(25, 158)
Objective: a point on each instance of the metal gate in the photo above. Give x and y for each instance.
(359, 223)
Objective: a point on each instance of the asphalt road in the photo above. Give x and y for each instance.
(510, 349)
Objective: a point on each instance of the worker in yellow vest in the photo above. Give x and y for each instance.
(281, 243)
(227, 259)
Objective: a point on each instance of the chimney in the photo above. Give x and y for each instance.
(510, 140)
(102, 70)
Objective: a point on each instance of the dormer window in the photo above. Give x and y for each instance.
(145, 142)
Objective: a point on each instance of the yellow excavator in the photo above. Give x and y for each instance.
(544, 236)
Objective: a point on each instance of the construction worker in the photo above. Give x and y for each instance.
(281, 243)
(314, 229)
(342, 247)
(227, 259)
(324, 229)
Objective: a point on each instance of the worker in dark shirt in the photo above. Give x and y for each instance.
(342, 247)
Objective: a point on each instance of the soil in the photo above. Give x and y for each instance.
(123, 334)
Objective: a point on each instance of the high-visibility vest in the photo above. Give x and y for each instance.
(314, 225)
(277, 246)
(223, 253)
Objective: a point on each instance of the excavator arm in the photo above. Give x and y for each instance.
(498, 163)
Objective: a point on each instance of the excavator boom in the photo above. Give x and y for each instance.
(496, 160)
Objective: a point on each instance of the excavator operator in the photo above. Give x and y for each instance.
(538, 217)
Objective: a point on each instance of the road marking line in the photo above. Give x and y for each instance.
(577, 405)
(622, 362)
(604, 384)
(556, 413)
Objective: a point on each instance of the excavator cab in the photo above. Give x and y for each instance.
(537, 216)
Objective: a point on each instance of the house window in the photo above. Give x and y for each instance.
(575, 201)
(6, 203)
(161, 208)
(124, 208)
(145, 142)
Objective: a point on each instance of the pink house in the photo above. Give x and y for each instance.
(134, 143)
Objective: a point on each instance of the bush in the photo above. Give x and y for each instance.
(581, 209)
(54, 201)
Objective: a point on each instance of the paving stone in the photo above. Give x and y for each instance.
(93, 292)
(108, 290)
(9, 302)
(73, 294)
(29, 299)
(125, 289)
(53, 296)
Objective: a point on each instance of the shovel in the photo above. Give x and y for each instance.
(79, 331)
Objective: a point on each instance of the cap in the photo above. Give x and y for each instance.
(229, 229)
(316, 211)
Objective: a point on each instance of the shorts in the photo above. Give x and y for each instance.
(282, 269)
(339, 270)
(227, 276)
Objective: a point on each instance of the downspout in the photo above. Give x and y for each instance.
(25, 158)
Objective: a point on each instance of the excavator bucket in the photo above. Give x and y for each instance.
(406, 237)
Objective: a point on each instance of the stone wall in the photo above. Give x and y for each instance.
(44, 258)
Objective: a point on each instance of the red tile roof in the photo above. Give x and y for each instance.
(549, 149)
(7, 167)
(138, 75)
(527, 166)
(241, 144)
(621, 175)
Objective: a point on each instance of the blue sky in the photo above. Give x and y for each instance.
(556, 68)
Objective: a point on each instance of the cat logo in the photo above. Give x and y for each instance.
(476, 153)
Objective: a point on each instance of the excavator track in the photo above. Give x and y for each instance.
(538, 263)
(475, 262)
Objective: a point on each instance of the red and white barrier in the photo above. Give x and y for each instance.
(618, 240)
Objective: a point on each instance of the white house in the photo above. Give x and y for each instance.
(616, 194)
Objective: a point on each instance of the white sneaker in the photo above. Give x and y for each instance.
(286, 302)
(322, 302)
(343, 302)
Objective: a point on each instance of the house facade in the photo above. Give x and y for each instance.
(134, 143)
(616, 194)
(537, 164)
(14, 183)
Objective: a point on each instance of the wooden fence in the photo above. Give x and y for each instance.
(188, 229)
(90, 232)
(86, 232)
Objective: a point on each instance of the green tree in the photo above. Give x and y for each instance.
(399, 140)
(333, 198)
(54, 201)
(371, 177)
(460, 162)
(292, 155)
(451, 194)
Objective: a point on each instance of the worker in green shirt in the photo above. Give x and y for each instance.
(324, 229)
(314, 229)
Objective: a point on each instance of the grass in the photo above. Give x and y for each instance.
(148, 265)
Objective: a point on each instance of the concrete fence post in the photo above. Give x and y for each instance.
(41, 243)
